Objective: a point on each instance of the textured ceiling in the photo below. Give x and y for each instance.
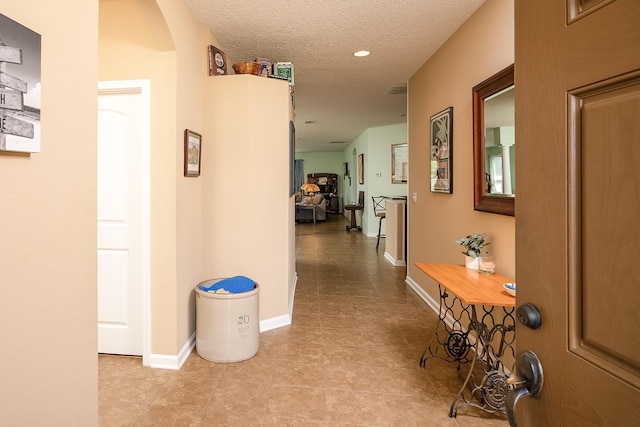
(342, 95)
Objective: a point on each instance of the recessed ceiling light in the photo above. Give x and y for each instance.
(361, 53)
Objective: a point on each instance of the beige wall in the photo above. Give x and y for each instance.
(482, 46)
(161, 41)
(48, 362)
(191, 40)
(247, 206)
(128, 50)
(48, 347)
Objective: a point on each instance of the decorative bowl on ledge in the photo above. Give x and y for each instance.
(247, 67)
(510, 288)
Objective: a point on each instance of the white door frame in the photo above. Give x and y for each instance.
(141, 87)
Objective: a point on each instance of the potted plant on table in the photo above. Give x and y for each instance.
(473, 244)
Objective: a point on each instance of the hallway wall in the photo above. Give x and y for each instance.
(48, 360)
(481, 47)
(375, 143)
(160, 40)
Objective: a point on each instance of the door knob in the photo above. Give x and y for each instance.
(528, 382)
(529, 315)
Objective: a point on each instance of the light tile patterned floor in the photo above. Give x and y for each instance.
(350, 357)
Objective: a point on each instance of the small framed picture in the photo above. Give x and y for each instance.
(399, 163)
(361, 168)
(217, 62)
(441, 125)
(192, 153)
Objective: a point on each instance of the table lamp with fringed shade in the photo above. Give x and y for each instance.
(309, 189)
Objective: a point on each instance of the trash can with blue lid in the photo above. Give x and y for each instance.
(227, 320)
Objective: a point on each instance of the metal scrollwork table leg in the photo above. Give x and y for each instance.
(493, 341)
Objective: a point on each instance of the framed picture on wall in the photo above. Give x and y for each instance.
(361, 168)
(192, 153)
(399, 163)
(441, 125)
(292, 159)
(217, 61)
(20, 87)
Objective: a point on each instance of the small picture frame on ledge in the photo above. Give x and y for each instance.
(217, 62)
(192, 153)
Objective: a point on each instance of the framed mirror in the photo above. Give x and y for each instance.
(493, 144)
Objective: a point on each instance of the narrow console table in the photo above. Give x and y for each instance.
(479, 302)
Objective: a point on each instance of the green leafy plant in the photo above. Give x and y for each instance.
(473, 244)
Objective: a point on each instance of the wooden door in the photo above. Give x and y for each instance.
(577, 80)
(121, 236)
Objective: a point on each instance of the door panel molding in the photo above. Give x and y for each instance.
(603, 205)
(576, 145)
(577, 9)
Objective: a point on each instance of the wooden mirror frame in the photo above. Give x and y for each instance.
(503, 205)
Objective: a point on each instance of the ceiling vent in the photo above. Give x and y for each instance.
(397, 90)
(337, 142)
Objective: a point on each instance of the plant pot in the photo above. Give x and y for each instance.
(471, 263)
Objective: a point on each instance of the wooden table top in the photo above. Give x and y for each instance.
(471, 286)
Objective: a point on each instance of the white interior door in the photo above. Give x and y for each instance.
(122, 218)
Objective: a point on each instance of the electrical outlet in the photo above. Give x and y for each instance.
(414, 196)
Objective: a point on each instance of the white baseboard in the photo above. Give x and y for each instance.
(285, 319)
(292, 292)
(393, 261)
(434, 305)
(275, 322)
(173, 362)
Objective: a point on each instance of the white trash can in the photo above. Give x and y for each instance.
(227, 325)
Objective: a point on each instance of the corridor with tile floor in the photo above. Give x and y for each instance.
(350, 357)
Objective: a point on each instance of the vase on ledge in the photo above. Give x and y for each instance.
(471, 263)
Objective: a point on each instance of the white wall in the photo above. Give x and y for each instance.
(375, 144)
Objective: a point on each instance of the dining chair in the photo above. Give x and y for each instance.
(379, 210)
